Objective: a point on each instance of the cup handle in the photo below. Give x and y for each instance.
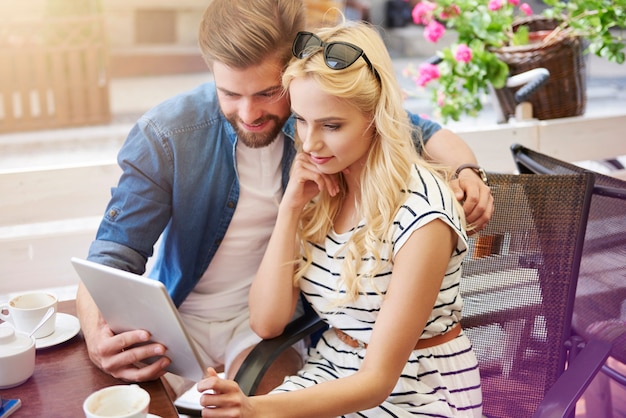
(4, 307)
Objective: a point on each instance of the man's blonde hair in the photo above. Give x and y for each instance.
(244, 33)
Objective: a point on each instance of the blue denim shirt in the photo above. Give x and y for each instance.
(179, 180)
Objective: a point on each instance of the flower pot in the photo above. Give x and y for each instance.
(564, 95)
(538, 36)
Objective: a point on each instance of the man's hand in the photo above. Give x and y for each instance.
(476, 198)
(118, 355)
(122, 355)
(447, 148)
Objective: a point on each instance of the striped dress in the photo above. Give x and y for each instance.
(442, 381)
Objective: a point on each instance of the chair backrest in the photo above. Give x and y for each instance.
(519, 284)
(600, 308)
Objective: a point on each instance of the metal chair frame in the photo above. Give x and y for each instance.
(533, 162)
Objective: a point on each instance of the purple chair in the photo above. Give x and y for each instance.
(600, 307)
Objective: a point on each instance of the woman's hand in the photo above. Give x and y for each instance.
(306, 182)
(223, 398)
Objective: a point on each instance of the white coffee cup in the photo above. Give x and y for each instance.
(120, 401)
(26, 310)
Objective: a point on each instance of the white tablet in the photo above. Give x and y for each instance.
(129, 301)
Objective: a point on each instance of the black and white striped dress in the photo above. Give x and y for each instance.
(441, 381)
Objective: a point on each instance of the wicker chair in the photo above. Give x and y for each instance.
(519, 285)
(600, 307)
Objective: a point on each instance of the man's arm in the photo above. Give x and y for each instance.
(117, 354)
(445, 147)
(116, 246)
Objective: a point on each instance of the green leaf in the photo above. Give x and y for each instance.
(520, 37)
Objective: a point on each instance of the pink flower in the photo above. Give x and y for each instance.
(441, 99)
(463, 53)
(514, 2)
(494, 5)
(433, 31)
(423, 12)
(525, 7)
(426, 73)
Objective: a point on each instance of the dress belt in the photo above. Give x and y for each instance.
(421, 344)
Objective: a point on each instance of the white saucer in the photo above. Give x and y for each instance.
(67, 326)
(190, 400)
(153, 416)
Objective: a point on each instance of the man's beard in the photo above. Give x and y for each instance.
(253, 139)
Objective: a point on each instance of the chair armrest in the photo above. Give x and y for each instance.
(261, 357)
(614, 375)
(560, 401)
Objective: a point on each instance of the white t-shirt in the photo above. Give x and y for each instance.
(222, 291)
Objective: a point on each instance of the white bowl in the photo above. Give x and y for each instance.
(17, 357)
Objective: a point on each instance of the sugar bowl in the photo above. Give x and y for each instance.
(17, 357)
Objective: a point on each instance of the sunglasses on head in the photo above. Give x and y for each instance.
(337, 55)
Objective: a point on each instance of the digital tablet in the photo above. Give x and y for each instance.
(129, 301)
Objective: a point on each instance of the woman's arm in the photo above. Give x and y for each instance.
(273, 296)
(419, 268)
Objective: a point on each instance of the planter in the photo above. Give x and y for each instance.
(53, 68)
(564, 95)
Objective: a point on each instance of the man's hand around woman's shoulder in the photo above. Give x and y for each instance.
(476, 198)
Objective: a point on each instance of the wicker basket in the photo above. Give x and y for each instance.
(564, 94)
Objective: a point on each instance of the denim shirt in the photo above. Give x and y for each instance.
(179, 182)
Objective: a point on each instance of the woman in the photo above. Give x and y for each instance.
(374, 239)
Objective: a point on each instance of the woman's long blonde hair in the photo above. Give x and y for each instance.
(392, 154)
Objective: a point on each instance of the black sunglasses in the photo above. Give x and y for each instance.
(337, 55)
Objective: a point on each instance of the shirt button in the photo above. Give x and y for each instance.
(112, 214)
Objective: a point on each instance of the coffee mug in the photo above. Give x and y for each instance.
(120, 401)
(26, 310)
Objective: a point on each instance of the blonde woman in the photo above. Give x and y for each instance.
(374, 238)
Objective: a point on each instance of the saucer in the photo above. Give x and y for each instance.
(153, 416)
(190, 400)
(67, 326)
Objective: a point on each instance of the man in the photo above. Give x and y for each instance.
(205, 171)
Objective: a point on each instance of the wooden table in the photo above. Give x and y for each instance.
(64, 376)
